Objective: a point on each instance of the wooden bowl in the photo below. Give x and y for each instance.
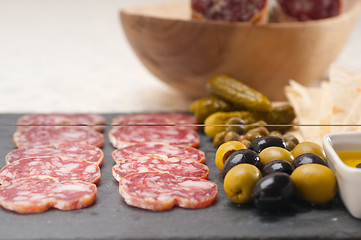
(185, 53)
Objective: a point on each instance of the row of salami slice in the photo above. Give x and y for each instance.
(56, 165)
(45, 129)
(256, 11)
(157, 165)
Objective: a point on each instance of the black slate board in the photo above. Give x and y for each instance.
(111, 218)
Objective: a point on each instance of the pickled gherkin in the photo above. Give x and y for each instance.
(202, 108)
(278, 115)
(237, 93)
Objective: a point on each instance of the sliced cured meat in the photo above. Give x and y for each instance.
(155, 118)
(55, 121)
(125, 136)
(303, 10)
(65, 150)
(57, 167)
(179, 167)
(230, 10)
(162, 191)
(39, 193)
(157, 148)
(47, 135)
(63, 119)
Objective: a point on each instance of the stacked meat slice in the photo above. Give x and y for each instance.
(157, 164)
(56, 165)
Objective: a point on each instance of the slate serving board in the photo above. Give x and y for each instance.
(111, 218)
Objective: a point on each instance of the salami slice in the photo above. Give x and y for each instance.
(63, 119)
(56, 167)
(65, 150)
(230, 10)
(162, 191)
(304, 10)
(157, 148)
(47, 135)
(179, 167)
(156, 118)
(39, 193)
(129, 135)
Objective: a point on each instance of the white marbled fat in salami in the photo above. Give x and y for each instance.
(162, 191)
(39, 193)
(157, 148)
(47, 135)
(65, 150)
(160, 163)
(124, 136)
(63, 119)
(57, 167)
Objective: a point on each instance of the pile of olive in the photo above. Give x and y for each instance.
(237, 130)
(269, 175)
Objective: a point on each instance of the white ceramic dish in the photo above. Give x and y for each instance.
(348, 178)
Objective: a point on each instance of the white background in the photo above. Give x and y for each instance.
(72, 55)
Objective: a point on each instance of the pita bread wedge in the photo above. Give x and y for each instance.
(325, 108)
(353, 117)
(345, 88)
(306, 102)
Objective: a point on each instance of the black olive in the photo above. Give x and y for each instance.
(273, 192)
(307, 158)
(238, 157)
(278, 166)
(261, 143)
(358, 165)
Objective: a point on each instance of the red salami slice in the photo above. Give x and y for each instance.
(39, 193)
(65, 150)
(56, 167)
(125, 136)
(230, 10)
(47, 135)
(156, 148)
(162, 191)
(63, 119)
(54, 121)
(303, 10)
(156, 118)
(179, 167)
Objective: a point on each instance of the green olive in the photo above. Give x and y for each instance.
(290, 145)
(275, 153)
(262, 130)
(314, 183)
(240, 181)
(276, 134)
(202, 108)
(225, 150)
(214, 122)
(308, 147)
(219, 138)
(247, 142)
(252, 135)
(291, 137)
(231, 136)
(236, 125)
(257, 124)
